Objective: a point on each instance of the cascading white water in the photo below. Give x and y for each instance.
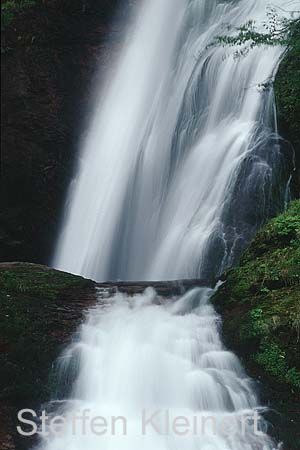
(176, 169)
(175, 176)
(139, 358)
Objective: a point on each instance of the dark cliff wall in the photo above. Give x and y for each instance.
(51, 51)
(287, 91)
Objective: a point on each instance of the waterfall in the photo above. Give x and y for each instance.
(178, 169)
(180, 161)
(144, 356)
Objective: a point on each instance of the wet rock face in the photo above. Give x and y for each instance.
(51, 53)
(287, 92)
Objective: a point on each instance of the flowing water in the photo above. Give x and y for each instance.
(179, 167)
(139, 359)
(180, 161)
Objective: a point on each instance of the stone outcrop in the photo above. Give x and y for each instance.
(40, 308)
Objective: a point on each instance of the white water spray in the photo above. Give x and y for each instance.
(176, 171)
(145, 356)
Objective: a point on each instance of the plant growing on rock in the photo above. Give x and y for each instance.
(278, 30)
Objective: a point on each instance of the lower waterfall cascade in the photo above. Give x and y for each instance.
(143, 356)
(180, 165)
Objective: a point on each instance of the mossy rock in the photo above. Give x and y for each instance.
(33, 299)
(40, 309)
(260, 305)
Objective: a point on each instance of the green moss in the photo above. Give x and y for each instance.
(293, 377)
(40, 309)
(34, 305)
(273, 359)
(26, 289)
(45, 282)
(260, 305)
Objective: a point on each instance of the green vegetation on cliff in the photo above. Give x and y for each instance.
(260, 305)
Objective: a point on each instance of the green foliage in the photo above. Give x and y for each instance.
(273, 359)
(278, 30)
(10, 8)
(274, 257)
(259, 326)
(293, 377)
(287, 224)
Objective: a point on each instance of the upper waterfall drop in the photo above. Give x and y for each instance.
(176, 171)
